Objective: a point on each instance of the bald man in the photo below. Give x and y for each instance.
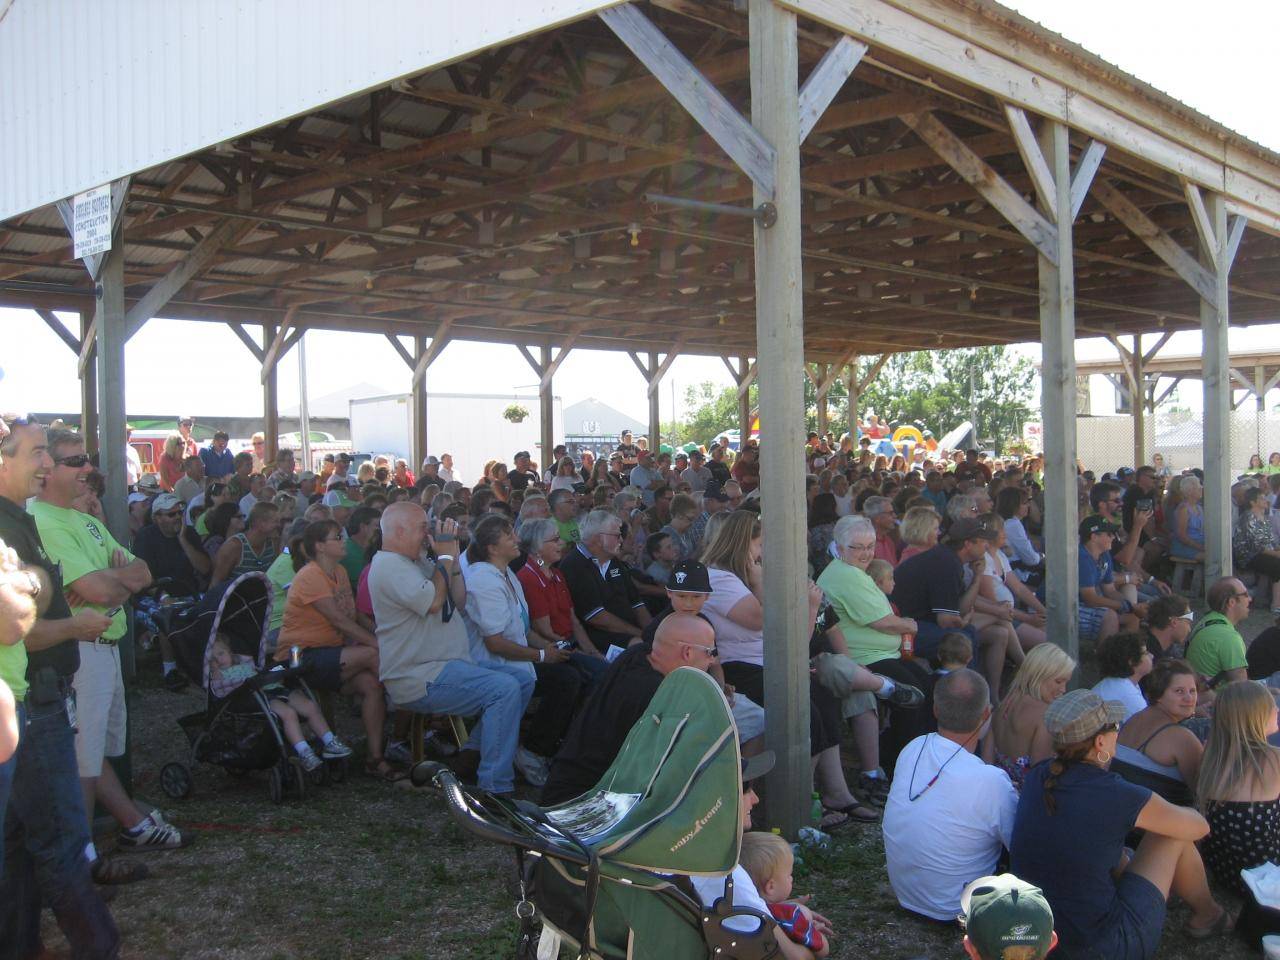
(620, 699)
(424, 654)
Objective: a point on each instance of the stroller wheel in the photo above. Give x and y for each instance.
(319, 776)
(175, 780)
(298, 778)
(275, 783)
(337, 770)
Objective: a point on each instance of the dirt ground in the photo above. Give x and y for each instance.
(363, 869)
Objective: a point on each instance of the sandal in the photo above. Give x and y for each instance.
(833, 820)
(115, 871)
(1225, 923)
(859, 812)
(383, 770)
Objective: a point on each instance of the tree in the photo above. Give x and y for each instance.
(712, 411)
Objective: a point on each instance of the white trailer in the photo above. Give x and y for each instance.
(468, 426)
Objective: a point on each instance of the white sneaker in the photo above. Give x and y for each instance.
(309, 759)
(156, 834)
(335, 749)
(532, 767)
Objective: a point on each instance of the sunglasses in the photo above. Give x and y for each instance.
(76, 461)
(710, 651)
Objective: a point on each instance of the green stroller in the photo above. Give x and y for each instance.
(608, 873)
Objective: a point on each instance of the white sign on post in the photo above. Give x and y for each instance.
(91, 231)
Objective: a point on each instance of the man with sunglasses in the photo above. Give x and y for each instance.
(100, 575)
(620, 698)
(167, 553)
(46, 829)
(1215, 648)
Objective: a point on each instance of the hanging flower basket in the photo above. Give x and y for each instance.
(515, 413)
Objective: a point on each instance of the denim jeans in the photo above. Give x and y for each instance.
(45, 834)
(6, 773)
(499, 695)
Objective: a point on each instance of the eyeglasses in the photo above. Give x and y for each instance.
(710, 651)
(860, 547)
(553, 540)
(1241, 596)
(76, 461)
(611, 534)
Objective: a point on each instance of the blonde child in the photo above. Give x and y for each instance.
(955, 652)
(227, 671)
(881, 574)
(768, 861)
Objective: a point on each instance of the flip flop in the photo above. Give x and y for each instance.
(857, 812)
(384, 771)
(1225, 923)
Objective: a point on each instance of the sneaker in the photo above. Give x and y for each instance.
(309, 760)
(115, 871)
(174, 681)
(397, 752)
(437, 744)
(904, 696)
(154, 833)
(532, 767)
(875, 789)
(335, 749)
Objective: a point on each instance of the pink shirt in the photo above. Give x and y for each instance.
(887, 549)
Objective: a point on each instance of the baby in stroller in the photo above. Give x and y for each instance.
(227, 671)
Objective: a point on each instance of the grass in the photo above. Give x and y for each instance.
(362, 869)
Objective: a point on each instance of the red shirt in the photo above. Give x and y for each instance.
(548, 596)
(887, 549)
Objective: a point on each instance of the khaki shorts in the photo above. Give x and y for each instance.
(100, 709)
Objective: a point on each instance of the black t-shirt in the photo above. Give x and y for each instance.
(1263, 655)
(629, 451)
(596, 735)
(520, 479)
(928, 584)
(719, 472)
(18, 531)
(165, 558)
(614, 593)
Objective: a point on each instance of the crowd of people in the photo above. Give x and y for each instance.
(547, 606)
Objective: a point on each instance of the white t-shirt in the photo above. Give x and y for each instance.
(247, 503)
(132, 465)
(1124, 690)
(565, 483)
(952, 833)
(711, 889)
(844, 505)
(997, 568)
(735, 642)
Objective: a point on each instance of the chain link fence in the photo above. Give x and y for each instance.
(1106, 443)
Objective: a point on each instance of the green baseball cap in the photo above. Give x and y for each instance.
(1003, 912)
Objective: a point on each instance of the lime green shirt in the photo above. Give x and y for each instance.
(568, 532)
(858, 601)
(280, 573)
(82, 544)
(13, 668)
(1215, 646)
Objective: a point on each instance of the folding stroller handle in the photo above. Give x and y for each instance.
(477, 818)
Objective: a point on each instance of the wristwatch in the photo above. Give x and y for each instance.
(35, 584)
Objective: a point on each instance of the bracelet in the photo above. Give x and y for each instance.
(542, 655)
(446, 556)
(34, 582)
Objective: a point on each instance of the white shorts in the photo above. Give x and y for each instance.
(748, 717)
(100, 708)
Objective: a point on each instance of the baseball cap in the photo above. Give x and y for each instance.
(519, 453)
(306, 475)
(757, 766)
(432, 461)
(138, 498)
(969, 528)
(1002, 912)
(689, 576)
(1096, 524)
(166, 501)
(345, 457)
(189, 421)
(1078, 714)
(715, 492)
(681, 455)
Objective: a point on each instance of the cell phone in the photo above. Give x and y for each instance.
(1144, 505)
(114, 610)
(564, 644)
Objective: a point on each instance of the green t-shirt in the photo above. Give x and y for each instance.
(1216, 646)
(202, 524)
(13, 668)
(280, 573)
(82, 544)
(857, 601)
(353, 563)
(569, 532)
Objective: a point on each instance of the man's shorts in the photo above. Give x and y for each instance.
(748, 717)
(100, 710)
(1091, 621)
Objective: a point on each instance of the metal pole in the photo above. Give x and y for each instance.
(775, 112)
(1217, 406)
(1058, 399)
(304, 419)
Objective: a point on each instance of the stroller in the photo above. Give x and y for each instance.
(609, 872)
(238, 732)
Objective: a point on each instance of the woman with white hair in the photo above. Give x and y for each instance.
(1187, 529)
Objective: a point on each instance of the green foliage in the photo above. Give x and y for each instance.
(712, 411)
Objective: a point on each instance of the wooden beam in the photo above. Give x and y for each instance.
(1085, 170)
(530, 358)
(994, 189)
(88, 391)
(1271, 383)
(826, 80)
(168, 286)
(438, 343)
(1032, 158)
(550, 370)
(706, 104)
(640, 365)
(404, 354)
(1167, 390)
(1200, 217)
(1235, 233)
(872, 372)
(275, 350)
(65, 335)
(1163, 245)
(1151, 354)
(88, 344)
(1245, 381)
(243, 336)
(1216, 436)
(661, 371)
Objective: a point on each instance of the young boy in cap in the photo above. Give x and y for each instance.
(1006, 919)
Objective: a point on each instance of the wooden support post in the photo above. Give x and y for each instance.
(854, 391)
(1214, 314)
(775, 112)
(109, 324)
(1260, 392)
(745, 374)
(655, 425)
(88, 392)
(546, 404)
(1058, 399)
(821, 387)
(1137, 378)
(270, 403)
(419, 400)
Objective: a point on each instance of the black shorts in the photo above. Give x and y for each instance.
(323, 667)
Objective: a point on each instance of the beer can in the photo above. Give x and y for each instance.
(295, 656)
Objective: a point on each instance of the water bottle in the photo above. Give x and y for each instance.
(813, 837)
(815, 812)
(908, 646)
